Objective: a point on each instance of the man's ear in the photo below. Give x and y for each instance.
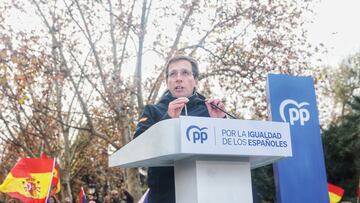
(166, 81)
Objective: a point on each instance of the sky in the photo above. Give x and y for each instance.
(336, 24)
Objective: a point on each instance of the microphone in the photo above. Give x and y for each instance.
(200, 101)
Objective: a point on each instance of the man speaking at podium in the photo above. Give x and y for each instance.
(181, 98)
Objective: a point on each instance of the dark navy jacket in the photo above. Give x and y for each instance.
(161, 179)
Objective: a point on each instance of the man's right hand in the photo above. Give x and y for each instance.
(176, 106)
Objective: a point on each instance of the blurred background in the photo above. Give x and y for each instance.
(75, 75)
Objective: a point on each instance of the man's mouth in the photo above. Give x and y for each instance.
(179, 88)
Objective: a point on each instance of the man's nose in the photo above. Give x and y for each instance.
(179, 77)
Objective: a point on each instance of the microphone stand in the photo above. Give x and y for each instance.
(213, 105)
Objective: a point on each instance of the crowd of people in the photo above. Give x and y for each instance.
(115, 196)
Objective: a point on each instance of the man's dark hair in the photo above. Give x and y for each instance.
(193, 62)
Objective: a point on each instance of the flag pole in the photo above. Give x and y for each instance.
(52, 176)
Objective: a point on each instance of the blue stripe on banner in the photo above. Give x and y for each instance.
(301, 178)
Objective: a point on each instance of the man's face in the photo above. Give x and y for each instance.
(114, 195)
(51, 200)
(181, 81)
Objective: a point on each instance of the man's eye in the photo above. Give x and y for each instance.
(185, 73)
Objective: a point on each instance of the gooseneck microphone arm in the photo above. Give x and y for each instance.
(200, 101)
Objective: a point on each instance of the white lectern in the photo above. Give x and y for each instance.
(212, 157)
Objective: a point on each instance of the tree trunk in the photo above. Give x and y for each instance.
(133, 181)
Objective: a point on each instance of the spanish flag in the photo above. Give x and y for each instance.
(82, 196)
(335, 193)
(30, 180)
(55, 182)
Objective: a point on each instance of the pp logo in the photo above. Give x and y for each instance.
(296, 111)
(195, 134)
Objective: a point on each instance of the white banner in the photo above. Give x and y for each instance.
(234, 137)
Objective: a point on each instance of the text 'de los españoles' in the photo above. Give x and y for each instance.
(252, 138)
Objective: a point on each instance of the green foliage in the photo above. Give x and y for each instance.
(342, 147)
(347, 80)
(263, 180)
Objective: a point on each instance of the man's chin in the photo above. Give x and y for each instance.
(180, 94)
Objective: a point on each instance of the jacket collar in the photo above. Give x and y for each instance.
(167, 97)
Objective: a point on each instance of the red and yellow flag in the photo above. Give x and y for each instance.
(335, 193)
(29, 180)
(82, 196)
(55, 182)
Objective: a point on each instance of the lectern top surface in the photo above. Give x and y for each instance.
(188, 137)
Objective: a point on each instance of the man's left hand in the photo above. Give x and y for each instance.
(214, 112)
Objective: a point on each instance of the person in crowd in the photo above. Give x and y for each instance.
(125, 196)
(52, 199)
(67, 200)
(93, 195)
(180, 98)
(115, 196)
(107, 199)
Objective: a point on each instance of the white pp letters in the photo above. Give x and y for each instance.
(295, 112)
